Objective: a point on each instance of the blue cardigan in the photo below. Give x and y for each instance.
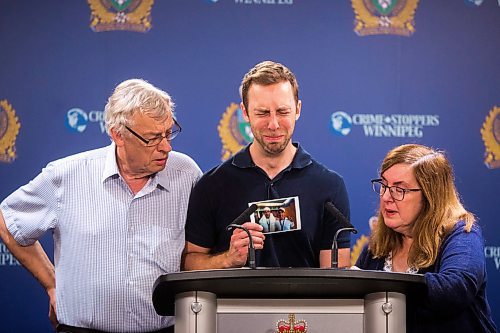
(456, 286)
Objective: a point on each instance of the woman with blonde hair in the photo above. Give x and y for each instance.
(424, 228)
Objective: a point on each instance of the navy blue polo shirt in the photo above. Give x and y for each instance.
(224, 192)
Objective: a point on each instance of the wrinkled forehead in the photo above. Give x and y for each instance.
(151, 119)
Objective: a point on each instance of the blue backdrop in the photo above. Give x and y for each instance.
(429, 76)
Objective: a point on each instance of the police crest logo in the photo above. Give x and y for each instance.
(132, 15)
(9, 129)
(234, 131)
(358, 248)
(291, 326)
(362, 241)
(491, 138)
(384, 17)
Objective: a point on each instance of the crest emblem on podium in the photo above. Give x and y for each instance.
(383, 17)
(291, 326)
(491, 137)
(9, 129)
(132, 15)
(234, 131)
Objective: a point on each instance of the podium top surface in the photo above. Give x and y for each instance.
(281, 283)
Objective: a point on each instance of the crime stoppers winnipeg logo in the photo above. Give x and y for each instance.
(341, 123)
(493, 253)
(6, 258)
(382, 125)
(77, 120)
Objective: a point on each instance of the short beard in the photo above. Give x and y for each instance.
(273, 149)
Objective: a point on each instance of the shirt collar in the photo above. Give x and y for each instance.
(111, 170)
(243, 159)
(110, 165)
(161, 178)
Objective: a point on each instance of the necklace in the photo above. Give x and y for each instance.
(388, 265)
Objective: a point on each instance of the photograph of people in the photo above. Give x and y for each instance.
(284, 222)
(268, 221)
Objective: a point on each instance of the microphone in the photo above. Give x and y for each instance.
(237, 224)
(338, 215)
(335, 247)
(245, 215)
(251, 248)
(345, 226)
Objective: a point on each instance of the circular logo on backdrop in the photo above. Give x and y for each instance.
(341, 123)
(76, 120)
(234, 131)
(9, 129)
(380, 17)
(491, 138)
(131, 15)
(362, 241)
(474, 2)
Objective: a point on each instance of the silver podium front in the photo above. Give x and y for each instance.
(286, 300)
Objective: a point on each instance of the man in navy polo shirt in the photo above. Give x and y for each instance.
(271, 167)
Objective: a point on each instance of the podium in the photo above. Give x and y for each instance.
(286, 300)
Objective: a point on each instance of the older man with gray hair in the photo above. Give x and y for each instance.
(117, 216)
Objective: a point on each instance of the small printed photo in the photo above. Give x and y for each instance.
(277, 215)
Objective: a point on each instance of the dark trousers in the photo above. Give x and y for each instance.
(61, 328)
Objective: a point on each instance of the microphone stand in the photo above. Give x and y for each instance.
(251, 248)
(335, 247)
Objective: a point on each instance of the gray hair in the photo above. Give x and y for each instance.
(136, 95)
